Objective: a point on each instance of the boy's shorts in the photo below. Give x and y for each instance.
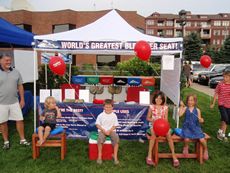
(113, 135)
(10, 112)
(225, 114)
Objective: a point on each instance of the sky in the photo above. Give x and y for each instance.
(143, 7)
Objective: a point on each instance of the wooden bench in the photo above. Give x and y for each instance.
(58, 140)
(197, 154)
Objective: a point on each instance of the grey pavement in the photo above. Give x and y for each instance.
(202, 88)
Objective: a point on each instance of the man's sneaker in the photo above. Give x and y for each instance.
(6, 146)
(24, 142)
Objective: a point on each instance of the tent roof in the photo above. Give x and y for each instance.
(12, 34)
(109, 28)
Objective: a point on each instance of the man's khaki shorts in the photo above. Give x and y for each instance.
(10, 112)
(113, 135)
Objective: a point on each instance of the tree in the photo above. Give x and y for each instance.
(214, 54)
(192, 47)
(135, 67)
(225, 51)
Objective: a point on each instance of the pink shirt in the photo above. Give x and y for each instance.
(158, 113)
(223, 92)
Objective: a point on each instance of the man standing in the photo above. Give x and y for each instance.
(10, 107)
(187, 72)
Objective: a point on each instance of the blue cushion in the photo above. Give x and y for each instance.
(55, 131)
(178, 131)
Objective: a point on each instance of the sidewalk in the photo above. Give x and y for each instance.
(203, 88)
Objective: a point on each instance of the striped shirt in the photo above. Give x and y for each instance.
(223, 92)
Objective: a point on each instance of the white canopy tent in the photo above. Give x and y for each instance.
(110, 34)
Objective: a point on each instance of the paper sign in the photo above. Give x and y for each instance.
(168, 62)
(57, 94)
(84, 94)
(44, 93)
(69, 93)
(144, 97)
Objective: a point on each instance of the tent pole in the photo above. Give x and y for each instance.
(35, 65)
(70, 66)
(46, 76)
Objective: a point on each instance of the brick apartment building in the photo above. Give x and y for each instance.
(213, 29)
(57, 21)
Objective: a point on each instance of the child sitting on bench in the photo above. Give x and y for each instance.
(157, 110)
(191, 128)
(49, 115)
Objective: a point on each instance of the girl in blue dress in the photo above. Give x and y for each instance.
(191, 126)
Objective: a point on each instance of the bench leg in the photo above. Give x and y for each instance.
(34, 147)
(155, 150)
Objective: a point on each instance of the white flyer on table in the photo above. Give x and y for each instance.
(69, 94)
(44, 93)
(57, 94)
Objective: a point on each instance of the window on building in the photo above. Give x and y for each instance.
(150, 22)
(178, 33)
(225, 32)
(160, 23)
(26, 27)
(169, 32)
(217, 23)
(195, 24)
(214, 41)
(216, 32)
(169, 23)
(160, 32)
(206, 31)
(107, 60)
(217, 41)
(177, 24)
(62, 28)
(188, 24)
(203, 24)
(222, 42)
(225, 23)
(150, 31)
(187, 33)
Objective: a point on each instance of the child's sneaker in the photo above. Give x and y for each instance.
(6, 145)
(220, 136)
(24, 142)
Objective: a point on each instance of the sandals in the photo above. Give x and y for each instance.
(24, 142)
(149, 161)
(205, 157)
(176, 163)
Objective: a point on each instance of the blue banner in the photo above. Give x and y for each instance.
(79, 119)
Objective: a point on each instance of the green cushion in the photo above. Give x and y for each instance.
(94, 136)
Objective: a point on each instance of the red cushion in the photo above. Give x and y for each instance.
(98, 101)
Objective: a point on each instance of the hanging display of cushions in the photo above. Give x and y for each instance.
(120, 81)
(134, 81)
(78, 79)
(148, 81)
(96, 89)
(115, 89)
(106, 80)
(92, 80)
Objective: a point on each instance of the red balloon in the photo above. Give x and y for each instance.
(57, 65)
(143, 50)
(161, 127)
(205, 61)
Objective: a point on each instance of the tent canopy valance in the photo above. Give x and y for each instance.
(110, 34)
(12, 34)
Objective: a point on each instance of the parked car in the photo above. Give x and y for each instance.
(217, 70)
(214, 81)
(197, 69)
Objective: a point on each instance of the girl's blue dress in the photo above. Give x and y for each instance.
(191, 127)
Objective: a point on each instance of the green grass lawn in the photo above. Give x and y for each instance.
(132, 153)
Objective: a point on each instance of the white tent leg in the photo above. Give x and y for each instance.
(35, 65)
(70, 66)
(46, 79)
